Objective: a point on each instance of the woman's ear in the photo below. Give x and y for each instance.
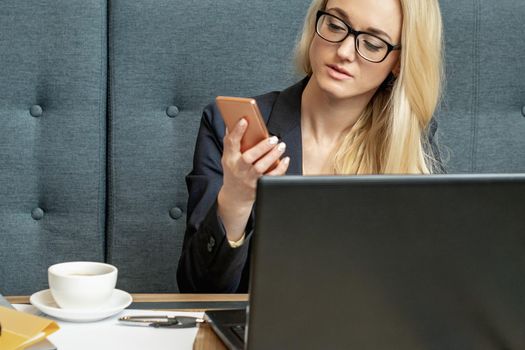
(396, 69)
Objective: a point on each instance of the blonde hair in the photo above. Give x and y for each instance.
(390, 136)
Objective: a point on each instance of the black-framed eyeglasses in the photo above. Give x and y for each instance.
(369, 46)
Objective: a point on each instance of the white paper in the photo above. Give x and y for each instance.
(109, 334)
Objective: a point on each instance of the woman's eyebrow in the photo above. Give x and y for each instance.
(341, 13)
(378, 32)
(372, 30)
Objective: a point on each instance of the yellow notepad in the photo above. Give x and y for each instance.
(20, 329)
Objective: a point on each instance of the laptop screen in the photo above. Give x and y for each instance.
(389, 262)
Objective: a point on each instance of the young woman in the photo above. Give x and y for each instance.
(373, 75)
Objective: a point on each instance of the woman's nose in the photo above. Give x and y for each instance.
(347, 49)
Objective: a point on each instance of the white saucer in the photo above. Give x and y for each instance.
(44, 301)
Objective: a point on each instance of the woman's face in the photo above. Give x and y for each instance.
(337, 67)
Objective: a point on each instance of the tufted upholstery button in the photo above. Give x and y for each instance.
(37, 214)
(176, 213)
(36, 111)
(211, 244)
(172, 111)
(523, 110)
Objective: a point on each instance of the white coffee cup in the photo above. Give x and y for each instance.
(82, 285)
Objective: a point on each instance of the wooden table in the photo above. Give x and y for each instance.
(206, 338)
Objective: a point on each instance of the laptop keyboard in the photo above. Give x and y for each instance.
(239, 331)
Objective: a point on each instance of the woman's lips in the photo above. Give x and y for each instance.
(338, 73)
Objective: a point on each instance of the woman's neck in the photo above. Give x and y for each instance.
(326, 118)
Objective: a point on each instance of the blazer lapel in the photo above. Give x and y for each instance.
(285, 123)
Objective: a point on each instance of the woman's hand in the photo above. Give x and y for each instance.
(241, 171)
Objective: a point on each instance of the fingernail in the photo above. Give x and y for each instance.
(281, 147)
(286, 160)
(243, 123)
(273, 140)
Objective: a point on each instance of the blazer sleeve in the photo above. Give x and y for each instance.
(208, 264)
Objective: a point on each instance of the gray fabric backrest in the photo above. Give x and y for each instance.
(167, 59)
(482, 124)
(52, 137)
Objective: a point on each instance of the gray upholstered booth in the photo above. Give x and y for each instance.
(100, 103)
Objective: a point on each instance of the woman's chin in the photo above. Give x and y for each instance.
(336, 89)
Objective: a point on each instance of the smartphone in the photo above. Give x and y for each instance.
(235, 108)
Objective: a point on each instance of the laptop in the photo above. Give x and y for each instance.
(385, 262)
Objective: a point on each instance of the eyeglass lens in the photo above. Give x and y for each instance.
(368, 46)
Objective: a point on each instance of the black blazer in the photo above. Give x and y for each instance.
(208, 264)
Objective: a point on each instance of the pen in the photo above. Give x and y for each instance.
(161, 321)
